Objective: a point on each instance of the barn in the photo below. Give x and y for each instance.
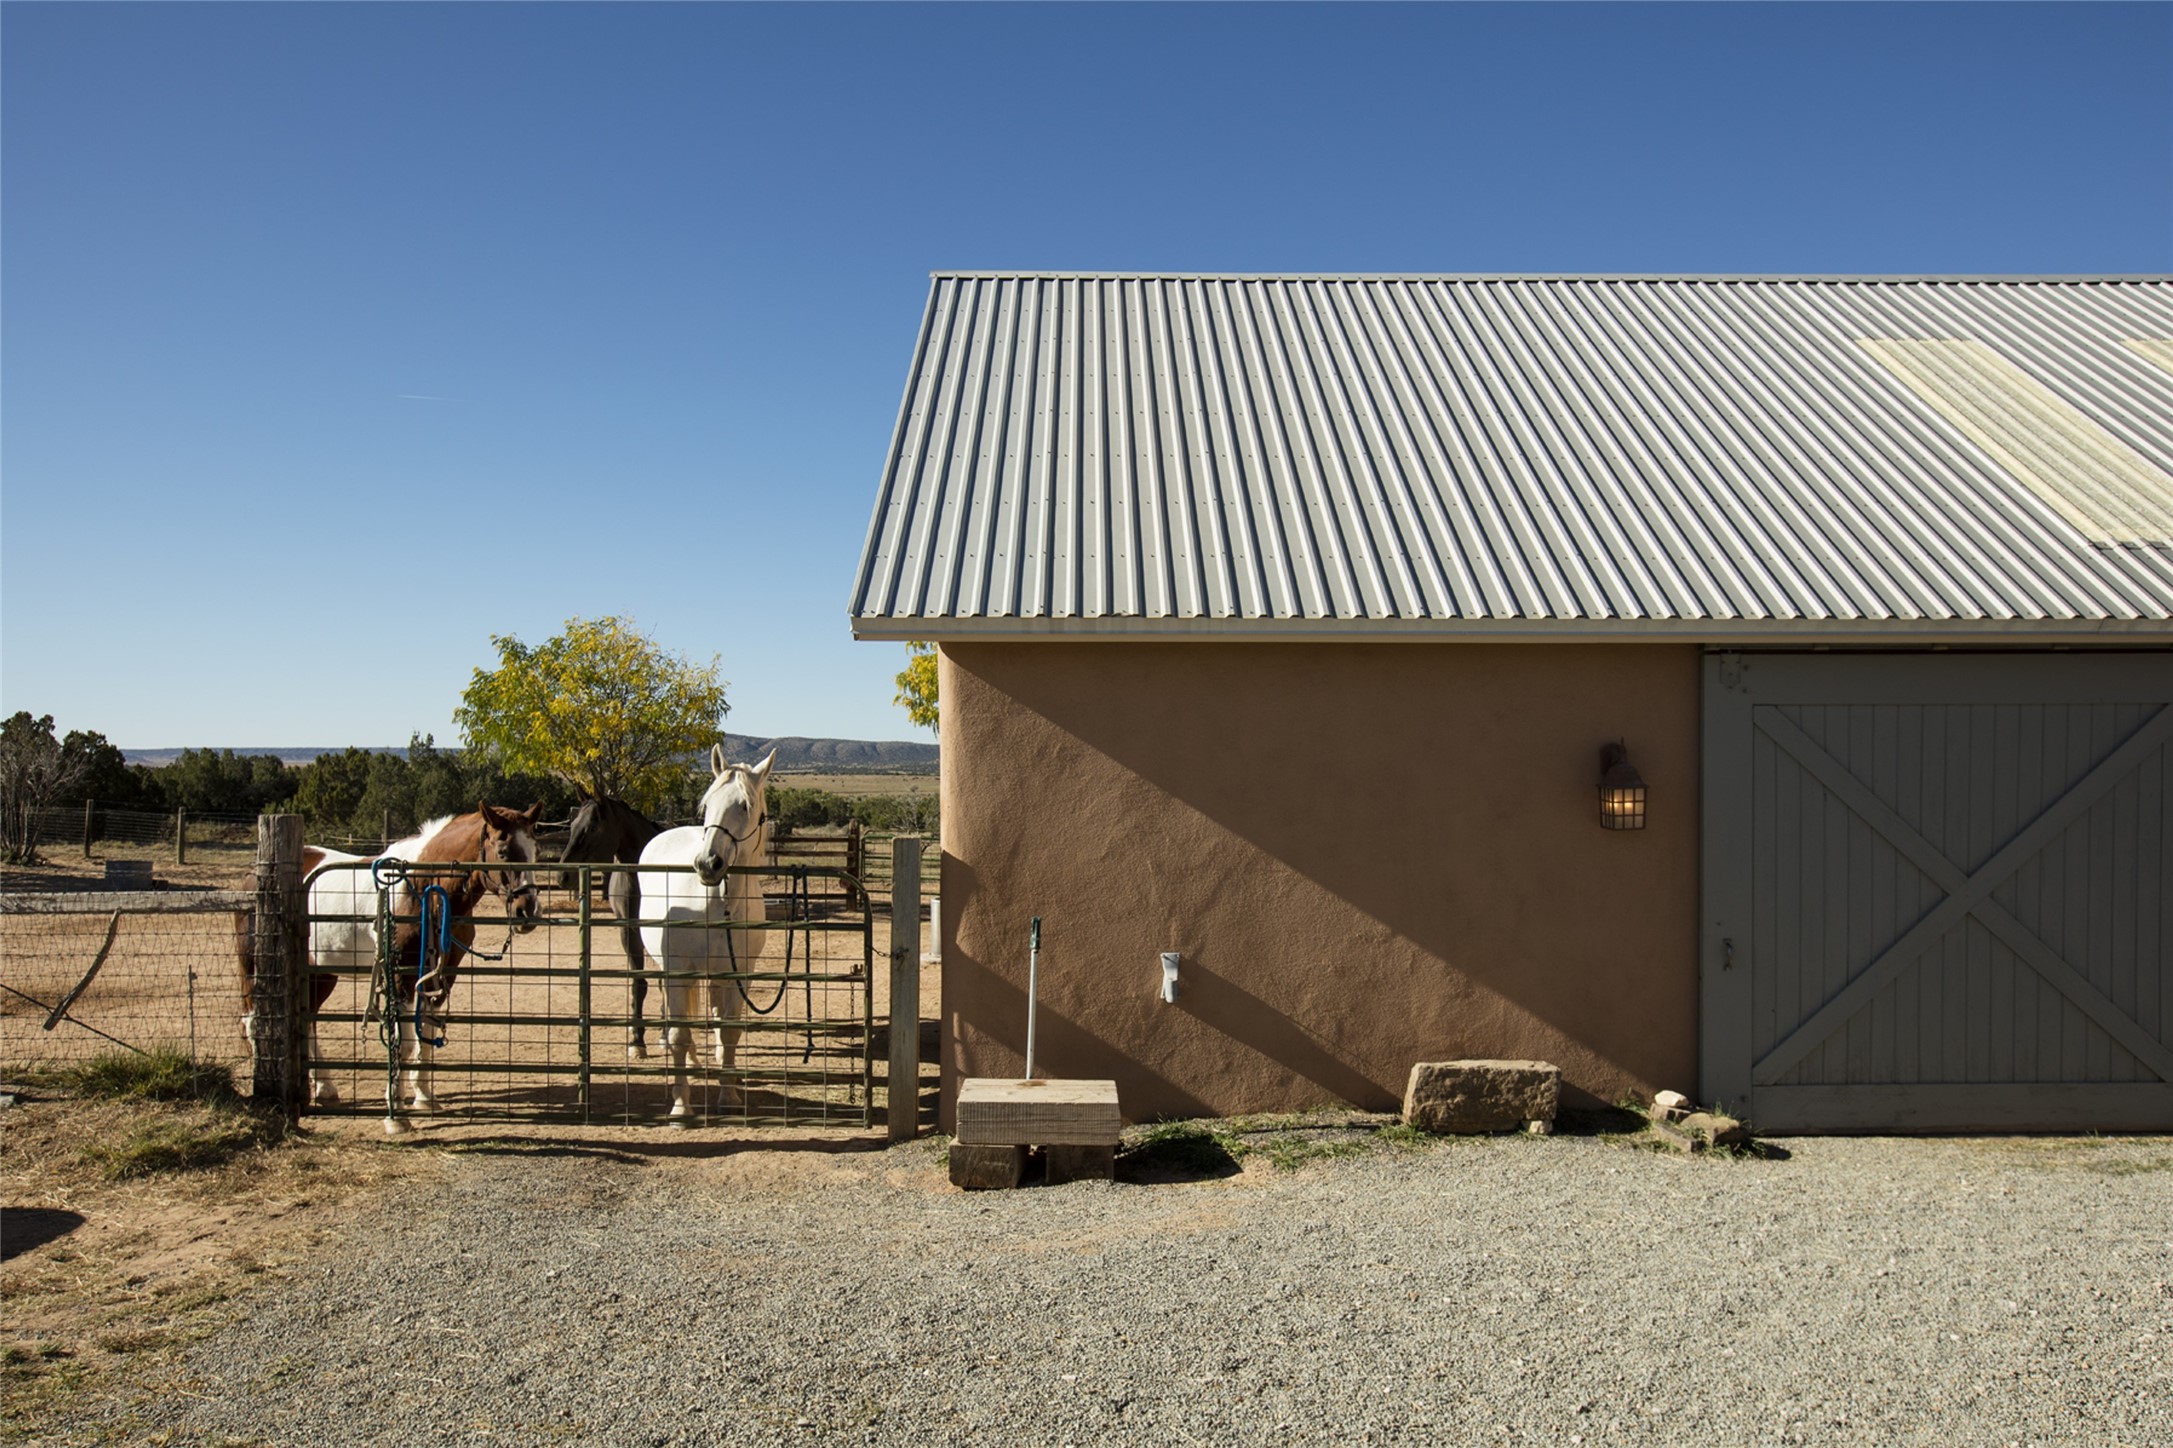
(1755, 686)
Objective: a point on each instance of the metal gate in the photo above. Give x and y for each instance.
(539, 1026)
(1937, 891)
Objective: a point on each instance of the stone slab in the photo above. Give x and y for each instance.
(1001, 1111)
(1459, 1098)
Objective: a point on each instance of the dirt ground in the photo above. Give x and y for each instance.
(107, 1277)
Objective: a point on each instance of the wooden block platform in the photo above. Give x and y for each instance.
(995, 1111)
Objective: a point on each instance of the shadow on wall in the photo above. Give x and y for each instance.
(1368, 855)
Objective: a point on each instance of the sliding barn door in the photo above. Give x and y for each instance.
(1936, 891)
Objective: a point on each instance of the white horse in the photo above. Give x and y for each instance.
(735, 830)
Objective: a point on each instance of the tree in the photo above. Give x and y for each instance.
(34, 769)
(105, 773)
(332, 786)
(219, 781)
(600, 706)
(917, 685)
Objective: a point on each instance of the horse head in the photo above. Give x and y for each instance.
(509, 840)
(735, 824)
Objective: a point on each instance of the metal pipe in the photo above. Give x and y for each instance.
(1033, 991)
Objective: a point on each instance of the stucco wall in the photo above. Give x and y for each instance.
(1369, 855)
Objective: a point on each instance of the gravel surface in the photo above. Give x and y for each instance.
(1565, 1290)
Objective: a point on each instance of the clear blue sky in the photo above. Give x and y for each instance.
(338, 338)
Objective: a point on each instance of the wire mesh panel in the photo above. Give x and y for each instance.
(85, 977)
(568, 1020)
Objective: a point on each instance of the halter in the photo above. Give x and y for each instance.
(762, 817)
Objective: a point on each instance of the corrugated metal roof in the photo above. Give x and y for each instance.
(1466, 456)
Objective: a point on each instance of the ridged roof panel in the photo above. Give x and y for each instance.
(1294, 455)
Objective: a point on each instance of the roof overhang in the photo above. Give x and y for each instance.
(1744, 633)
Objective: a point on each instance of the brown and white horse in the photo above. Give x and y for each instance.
(349, 945)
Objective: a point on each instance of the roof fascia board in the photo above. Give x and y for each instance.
(1873, 278)
(1726, 632)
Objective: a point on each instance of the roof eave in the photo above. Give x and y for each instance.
(1752, 632)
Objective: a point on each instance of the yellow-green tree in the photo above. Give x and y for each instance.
(917, 685)
(600, 706)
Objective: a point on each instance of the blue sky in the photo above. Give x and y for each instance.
(335, 339)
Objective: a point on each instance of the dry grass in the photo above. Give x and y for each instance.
(136, 1225)
(860, 786)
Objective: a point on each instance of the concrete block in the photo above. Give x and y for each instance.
(1079, 1164)
(1469, 1097)
(996, 1111)
(987, 1168)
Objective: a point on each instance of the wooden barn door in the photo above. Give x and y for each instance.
(1936, 891)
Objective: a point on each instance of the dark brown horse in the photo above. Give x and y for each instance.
(610, 831)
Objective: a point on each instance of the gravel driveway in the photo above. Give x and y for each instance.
(1563, 1290)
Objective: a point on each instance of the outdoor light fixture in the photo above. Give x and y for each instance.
(1622, 790)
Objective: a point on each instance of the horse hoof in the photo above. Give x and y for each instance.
(394, 1126)
(426, 1103)
(324, 1095)
(637, 1052)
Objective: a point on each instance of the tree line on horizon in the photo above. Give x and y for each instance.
(598, 709)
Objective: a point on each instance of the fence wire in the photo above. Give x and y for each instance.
(136, 980)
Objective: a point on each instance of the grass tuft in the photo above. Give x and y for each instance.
(184, 1144)
(161, 1074)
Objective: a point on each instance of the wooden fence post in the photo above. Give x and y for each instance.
(181, 837)
(855, 849)
(90, 819)
(280, 953)
(904, 1096)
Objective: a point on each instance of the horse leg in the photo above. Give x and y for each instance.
(245, 954)
(678, 1041)
(321, 1090)
(637, 1049)
(724, 1011)
(624, 895)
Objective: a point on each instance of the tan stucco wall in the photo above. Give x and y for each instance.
(1369, 855)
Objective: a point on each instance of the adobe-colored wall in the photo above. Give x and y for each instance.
(1369, 855)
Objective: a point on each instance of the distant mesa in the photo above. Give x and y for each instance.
(794, 754)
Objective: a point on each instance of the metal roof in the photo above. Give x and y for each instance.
(1403, 456)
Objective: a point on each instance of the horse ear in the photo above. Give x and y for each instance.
(534, 813)
(716, 759)
(490, 816)
(762, 770)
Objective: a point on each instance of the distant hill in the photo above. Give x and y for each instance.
(837, 755)
(794, 754)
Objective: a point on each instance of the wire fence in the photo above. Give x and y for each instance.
(86, 978)
(89, 973)
(561, 1022)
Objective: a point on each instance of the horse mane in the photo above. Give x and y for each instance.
(430, 828)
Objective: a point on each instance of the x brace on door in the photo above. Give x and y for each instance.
(1967, 895)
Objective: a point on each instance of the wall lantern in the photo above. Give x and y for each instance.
(1622, 790)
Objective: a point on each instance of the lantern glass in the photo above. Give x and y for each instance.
(1622, 791)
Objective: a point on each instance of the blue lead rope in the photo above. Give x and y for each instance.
(423, 951)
